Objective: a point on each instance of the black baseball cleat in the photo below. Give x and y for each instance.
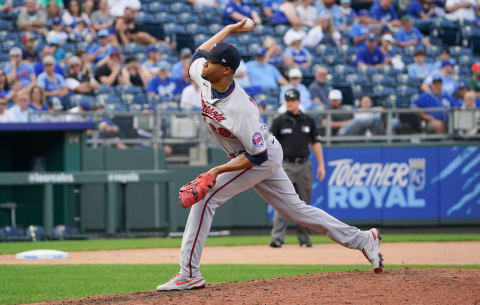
(275, 244)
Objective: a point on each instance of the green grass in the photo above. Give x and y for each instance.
(25, 284)
(148, 243)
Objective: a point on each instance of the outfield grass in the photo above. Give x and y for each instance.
(25, 284)
(150, 243)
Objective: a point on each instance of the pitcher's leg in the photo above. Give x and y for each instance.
(278, 191)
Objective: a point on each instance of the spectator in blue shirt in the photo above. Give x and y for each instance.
(449, 84)
(335, 11)
(421, 9)
(348, 12)
(162, 84)
(39, 68)
(177, 68)
(237, 10)
(370, 54)
(265, 75)
(384, 13)
(97, 52)
(359, 31)
(408, 35)
(295, 54)
(16, 69)
(53, 83)
(280, 12)
(295, 82)
(436, 121)
(419, 69)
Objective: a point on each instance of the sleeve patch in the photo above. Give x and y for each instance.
(257, 139)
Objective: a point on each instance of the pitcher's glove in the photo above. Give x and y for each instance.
(196, 190)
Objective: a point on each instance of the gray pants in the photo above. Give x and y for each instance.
(300, 174)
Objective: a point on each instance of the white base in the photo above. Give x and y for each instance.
(42, 254)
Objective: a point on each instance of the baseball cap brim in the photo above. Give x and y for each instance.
(209, 55)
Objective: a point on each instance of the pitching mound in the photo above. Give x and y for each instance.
(405, 286)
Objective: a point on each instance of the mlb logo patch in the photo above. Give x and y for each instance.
(257, 139)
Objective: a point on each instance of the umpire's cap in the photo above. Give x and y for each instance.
(223, 53)
(292, 95)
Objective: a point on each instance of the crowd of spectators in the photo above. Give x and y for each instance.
(44, 73)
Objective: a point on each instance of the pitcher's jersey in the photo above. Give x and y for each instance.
(233, 121)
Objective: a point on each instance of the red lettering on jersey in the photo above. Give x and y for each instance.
(221, 131)
(211, 113)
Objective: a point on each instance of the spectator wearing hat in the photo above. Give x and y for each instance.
(359, 31)
(161, 84)
(19, 112)
(101, 50)
(419, 69)
(370, 54)
(266, 75)
(29, 53)
(73, 15)
(460, 10)
(153, 59)
(57, 32)
(384, 13)
(177, 68)
(128, 31)
(237, 10)
(191, 98)
(408, 35)
(386, 43)
(348, 12)
(133, 74)
(338, 120)
(323, 33)
(32, 18)
(335, 12)
(474, 81)
(17, 69)
(295, 54)
(307, 13)
(434, 98)
(363, 122)
(78, 81)
(281, 12)
(457, 99)
(422, 9)
(101, 18)
(39, 68)
(319, 88)
(449, 84)
(297, 132)
(443, 56)
(295, 82)
(58, 52)
(109, 73)
(52, 83)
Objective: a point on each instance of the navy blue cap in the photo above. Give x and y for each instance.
(437, 78)
(223, 53)
(292, 94)
(152, 48)
(463, 85)
(363, 13)
(260, 52)
(372, 36)
(447, 62)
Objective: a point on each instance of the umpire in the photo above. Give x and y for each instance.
(295, 131)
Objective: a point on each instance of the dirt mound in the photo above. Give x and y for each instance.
(404, 286)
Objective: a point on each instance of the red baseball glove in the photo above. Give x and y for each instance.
(196, 190)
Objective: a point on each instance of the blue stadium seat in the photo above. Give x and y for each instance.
(180, 7)
(173, 28)
(407, 90)
(77, 99)
(139, 99)
(35, 232)
(164, 17)
(187, 18)
(280, 29)
(199, 39)
(11, 232)
(356, 79)
(405, 79)
(366, 70)
(457, 51)
(333, 59)
(61, 231)
(105, 90)
(122, 89)
(156, 7)
(214, 28)
(107, 99)
(343, 69)
(132, 48)
(263, 30)
(433, 51)
(195, 29)
(115, 108)
(246, 39)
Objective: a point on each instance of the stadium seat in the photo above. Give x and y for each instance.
(280, 30)
(78, 99)
(355, 79)
(263, 30)
(155, 7)
(115, 108)
(61, 231)
(457, 51)
(383, 80)
(195, 29)
(107, 99)
(133, 48)
(173, 28)
(164, 17)
(199, 39)
(11, 232)
(407, 90)
(122, 89)
(105, 90)
(214, 28)
(343, 69)
(180, 7)
(246, 39)
(187, 18)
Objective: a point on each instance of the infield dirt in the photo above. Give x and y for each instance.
(403, 286)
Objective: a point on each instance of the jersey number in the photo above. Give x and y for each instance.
(221, 131)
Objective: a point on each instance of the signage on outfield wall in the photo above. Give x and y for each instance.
(50, 178)
(400, 183)
(124, 177)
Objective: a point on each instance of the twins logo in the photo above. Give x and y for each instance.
(257, 139)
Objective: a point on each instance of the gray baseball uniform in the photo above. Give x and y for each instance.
(234, 123)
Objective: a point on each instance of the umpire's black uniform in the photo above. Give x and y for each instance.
(295, 133)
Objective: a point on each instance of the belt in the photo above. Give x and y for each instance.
(295, 160)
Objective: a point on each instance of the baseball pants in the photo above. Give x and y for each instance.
(300, 174)
(271, 182)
